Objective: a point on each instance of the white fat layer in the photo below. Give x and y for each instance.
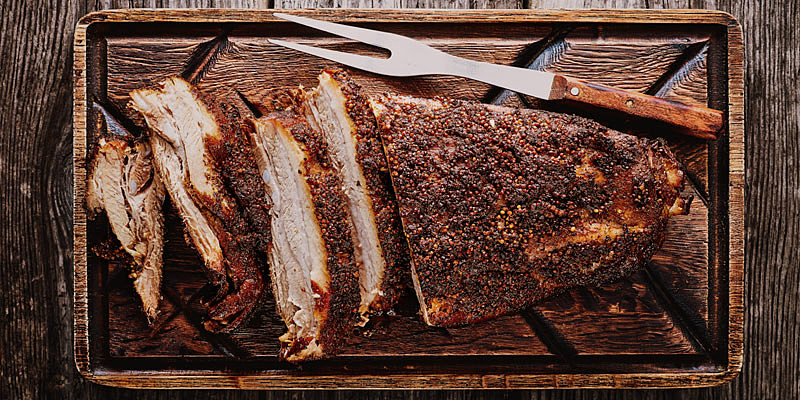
(327, 105)
(174, 114)
(298, 256)
(185, 122)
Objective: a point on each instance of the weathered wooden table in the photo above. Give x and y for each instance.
(36, 229)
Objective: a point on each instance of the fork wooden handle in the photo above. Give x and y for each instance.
(701, 122)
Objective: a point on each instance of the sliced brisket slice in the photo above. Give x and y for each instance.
(124, 184)
(504, 207)
(195, 140)
(312, 266)
(340, 111)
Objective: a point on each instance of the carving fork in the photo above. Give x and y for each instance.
(410, 57)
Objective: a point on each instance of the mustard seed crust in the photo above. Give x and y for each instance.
(504, 207)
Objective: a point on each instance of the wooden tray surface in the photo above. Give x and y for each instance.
(676, 323)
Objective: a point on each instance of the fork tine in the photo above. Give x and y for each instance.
(368, 36)
(371, 64)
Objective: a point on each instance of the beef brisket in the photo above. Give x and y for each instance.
(194, 141)
(124, 184)
(504, 207)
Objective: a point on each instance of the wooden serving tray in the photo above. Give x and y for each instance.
(676, 323)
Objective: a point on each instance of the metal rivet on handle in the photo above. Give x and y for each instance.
(574, 91)
(629, 103)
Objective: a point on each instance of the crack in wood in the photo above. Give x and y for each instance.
(678, 314)
(536, 56)
(205, 56)
(555, 342)
(250, 106)
(116, 122)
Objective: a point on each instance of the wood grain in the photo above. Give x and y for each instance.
(619, 318)
(36, 338)
(681, 263)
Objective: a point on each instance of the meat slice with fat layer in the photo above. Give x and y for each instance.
(123, 183)
(339, 109)
(313, 270)
(193, 141)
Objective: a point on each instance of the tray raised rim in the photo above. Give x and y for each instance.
(195, 379)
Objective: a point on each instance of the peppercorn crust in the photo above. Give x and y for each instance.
(503, 207)
(372, 160)
(336, 306)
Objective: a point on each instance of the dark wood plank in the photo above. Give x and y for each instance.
(619, 318)
(770, 234)
(40, 238)
(36, 217)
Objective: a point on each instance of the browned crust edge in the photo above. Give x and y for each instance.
(343, 297)
(370, 156)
